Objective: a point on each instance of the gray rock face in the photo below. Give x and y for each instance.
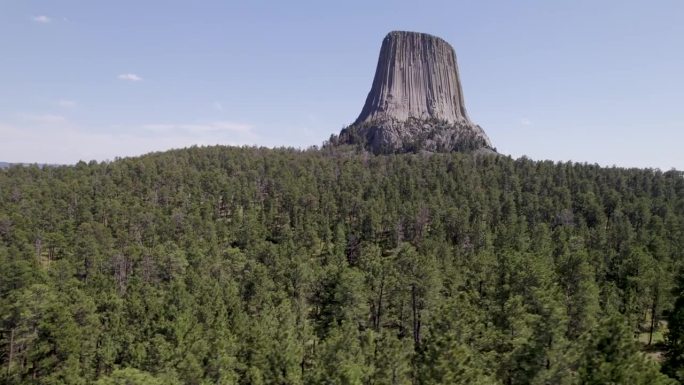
(416, 101)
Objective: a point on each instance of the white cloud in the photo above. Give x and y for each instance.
(217, 106)
(41, 19)
(198, 128)
(130, 77)
(45, 119)
(65, 103)
(54, 139)
(526, 122)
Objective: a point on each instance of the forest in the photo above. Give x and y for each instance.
(245, 265)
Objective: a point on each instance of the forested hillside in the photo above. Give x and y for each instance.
(229, 265)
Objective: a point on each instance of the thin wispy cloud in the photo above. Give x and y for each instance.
(45, 119)
(525, 122)
(217, 106)
(211, 127)
(130, 77)
(41, 19)
(66, 103)
(33, 137)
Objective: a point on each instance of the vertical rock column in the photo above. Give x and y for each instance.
(416, 77)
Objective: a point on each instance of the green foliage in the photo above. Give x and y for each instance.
(130, 376)
(225, 265)
(674, 363)
(611, 357)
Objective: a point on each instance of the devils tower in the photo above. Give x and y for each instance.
(416, 101)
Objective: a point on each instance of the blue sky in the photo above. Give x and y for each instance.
(589, 81)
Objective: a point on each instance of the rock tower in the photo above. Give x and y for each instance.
(416, 101)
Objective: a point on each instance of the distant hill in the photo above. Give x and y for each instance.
(8, 164)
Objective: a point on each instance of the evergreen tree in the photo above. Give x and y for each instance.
(674, 359)
(612, 357)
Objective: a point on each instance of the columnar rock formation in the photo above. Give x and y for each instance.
(416, 101)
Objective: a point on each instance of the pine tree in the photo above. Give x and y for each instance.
(611, 356)
(674, 357)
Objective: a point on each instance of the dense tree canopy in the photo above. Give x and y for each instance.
(223, 265)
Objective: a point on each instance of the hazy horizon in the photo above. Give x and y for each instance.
(586, 82)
